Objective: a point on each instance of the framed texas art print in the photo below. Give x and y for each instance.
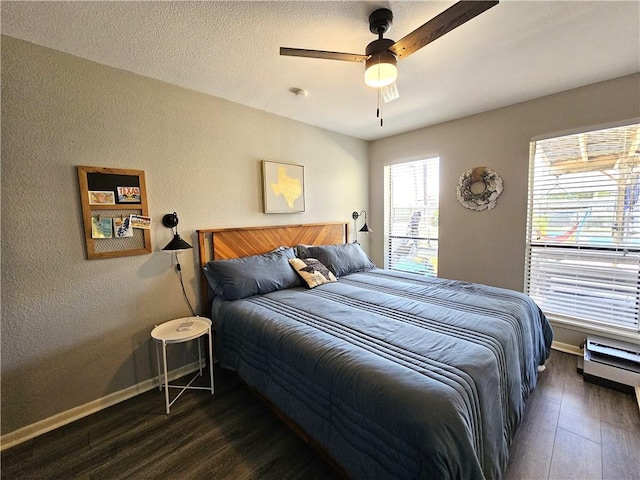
(283, 187)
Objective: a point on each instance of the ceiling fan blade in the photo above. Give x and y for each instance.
(300, 52)
(451, 18)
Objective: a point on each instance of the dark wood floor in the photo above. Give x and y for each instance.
(571, 429)
(576, 430)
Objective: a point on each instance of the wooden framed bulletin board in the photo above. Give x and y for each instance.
(114, 211)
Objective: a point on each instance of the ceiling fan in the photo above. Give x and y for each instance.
(381, 55)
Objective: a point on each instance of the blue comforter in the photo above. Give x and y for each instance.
(395, 375)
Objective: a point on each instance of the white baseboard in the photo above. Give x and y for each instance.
(567, 348)
(43, 426)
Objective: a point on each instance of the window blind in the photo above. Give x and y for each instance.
(583, 227)
(411, 216)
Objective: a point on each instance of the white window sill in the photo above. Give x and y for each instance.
(594, 329)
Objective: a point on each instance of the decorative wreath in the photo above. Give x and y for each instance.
(484, 200)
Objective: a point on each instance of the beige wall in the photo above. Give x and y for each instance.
(75, 330)
(489, 246)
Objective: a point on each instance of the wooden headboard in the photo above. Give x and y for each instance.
(226, 243)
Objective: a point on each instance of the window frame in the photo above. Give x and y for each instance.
(534, 247)
(422, 232)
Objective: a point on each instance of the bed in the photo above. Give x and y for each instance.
(391, 374)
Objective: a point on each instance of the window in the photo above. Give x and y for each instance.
(583, 228)
(411, 216)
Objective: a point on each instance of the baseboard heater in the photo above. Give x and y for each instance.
(611, 363)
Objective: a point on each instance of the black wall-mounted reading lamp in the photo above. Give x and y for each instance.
(176, 246)
(365, 228)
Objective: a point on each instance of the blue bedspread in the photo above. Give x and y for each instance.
(396, 375)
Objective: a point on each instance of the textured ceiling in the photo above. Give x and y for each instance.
(514, 52)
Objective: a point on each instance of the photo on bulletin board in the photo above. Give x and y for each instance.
(101, 197)
(122, 227)
(129, 195)
(101, 228)
(140, 221)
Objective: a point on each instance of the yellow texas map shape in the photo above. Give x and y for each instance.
(289, 188)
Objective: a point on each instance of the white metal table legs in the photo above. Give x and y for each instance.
(163, 377)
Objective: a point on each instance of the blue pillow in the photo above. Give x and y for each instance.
(242, 277)
(342, 259)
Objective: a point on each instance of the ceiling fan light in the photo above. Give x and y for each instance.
(380, 70)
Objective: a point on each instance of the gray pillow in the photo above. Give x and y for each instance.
(342, 259)
(242, 277)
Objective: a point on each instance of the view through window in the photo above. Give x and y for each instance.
(411, 216)
(583, 227)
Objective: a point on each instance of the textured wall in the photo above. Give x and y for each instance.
(75, 330)
(489, 246)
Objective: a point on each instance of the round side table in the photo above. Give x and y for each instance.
(182, 330)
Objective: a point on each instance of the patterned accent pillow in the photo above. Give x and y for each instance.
(312, 271)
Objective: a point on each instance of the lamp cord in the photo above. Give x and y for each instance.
(355, 230)
(184, 292)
